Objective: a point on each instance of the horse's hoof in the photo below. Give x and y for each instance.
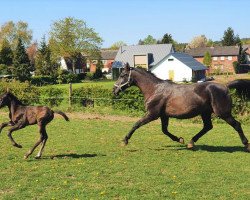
(125, 142)
(37, 157)
(25, 157)
(247, 147)
(190, 145)
(17, 145)
(181, 140)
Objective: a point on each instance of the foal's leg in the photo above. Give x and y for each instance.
(207, 125)
(41, 139)
(5, 124)
(17, 126)
(164, 126)
(237, 126)
(146, 119)
(45, 136)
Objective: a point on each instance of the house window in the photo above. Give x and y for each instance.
(215, 58)
(170, 59)
(222, 58)
(230, 58)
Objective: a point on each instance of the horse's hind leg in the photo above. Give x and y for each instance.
(5, 124)
(207, 125)
(164, 126)
(45, 136)
(41, 139)
(237, 126)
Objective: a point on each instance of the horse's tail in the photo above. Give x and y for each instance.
(242, 87)
(63, 114)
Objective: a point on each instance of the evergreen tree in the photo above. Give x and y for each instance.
(98, 73)
(6, 54)
(167, 39)
(207, 59)
(22, 66)
(229, 39)
(44, 64)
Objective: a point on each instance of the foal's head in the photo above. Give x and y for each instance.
(124, 81)
(6, 98)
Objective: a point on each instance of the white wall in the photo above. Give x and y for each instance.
(181, 71)
(63, 64)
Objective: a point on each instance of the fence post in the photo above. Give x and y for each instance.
(70, 94)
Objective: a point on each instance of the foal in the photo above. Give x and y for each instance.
(21, 116)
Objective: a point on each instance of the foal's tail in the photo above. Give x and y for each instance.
(242, 87)
(63, 114)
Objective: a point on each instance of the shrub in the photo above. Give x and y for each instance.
(27, 93)
(89, 76)
(42, 80)
(51, 96)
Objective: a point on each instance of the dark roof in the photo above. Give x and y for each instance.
(156, 53)
(108, 54)
(188, 60)
(214, 51)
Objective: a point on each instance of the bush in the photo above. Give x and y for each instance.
(89, 76)
(27, 93)
(42, 80)
(51, 96)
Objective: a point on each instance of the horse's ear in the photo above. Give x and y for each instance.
(8, 90)
(127, 67)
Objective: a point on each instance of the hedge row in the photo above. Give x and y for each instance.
(129, 100)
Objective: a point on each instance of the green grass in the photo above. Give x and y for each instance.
(105, 84)
(84, 159)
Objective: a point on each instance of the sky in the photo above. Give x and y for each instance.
(132, 20)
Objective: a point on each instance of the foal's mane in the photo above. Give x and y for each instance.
(14, 98)
(151, 75)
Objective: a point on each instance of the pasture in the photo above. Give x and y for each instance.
(84, 159)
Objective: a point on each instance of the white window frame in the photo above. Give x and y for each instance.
(230, 58)
(215, 58)
(222, 58)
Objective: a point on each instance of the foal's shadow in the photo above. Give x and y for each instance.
(72, 155)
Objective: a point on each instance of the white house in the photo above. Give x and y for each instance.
(144, 56)
(179, 67)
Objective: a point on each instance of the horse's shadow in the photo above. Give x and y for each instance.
(228, 149)
(208, 148)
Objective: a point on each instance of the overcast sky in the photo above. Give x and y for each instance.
(131, 20)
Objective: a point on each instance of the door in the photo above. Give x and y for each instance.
(171, 75)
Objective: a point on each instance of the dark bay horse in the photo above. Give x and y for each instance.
(21, 116)
(165, 99)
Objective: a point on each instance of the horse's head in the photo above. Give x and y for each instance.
(4, 99)
(124, 81)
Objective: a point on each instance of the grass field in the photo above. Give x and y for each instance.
(84, 159)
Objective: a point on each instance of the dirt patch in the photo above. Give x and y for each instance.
(78, 115)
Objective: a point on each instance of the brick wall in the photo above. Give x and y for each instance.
(220, 65)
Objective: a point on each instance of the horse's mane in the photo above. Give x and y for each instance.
(151, 76)
(13, 97)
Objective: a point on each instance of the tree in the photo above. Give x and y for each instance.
(43, 62)
(167, 39)
(70, 36)
(22, 67)
(148, 40)
(98, 73)
(11, 32)
(117, 45)
(6, 54)
(207, 61)
(199, 41)
(229, 39)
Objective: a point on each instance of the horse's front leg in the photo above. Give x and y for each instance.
(17, 126)
(146, 119)
(164, 126)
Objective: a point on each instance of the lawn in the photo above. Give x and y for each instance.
(84, 159)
